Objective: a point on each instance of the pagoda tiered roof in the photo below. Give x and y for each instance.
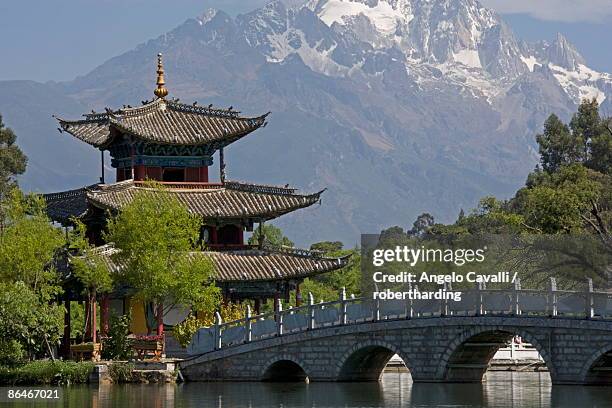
(63, 206)
(255, 264)
(211, 201)
(164, 122)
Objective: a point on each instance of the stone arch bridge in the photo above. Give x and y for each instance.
(439, 341)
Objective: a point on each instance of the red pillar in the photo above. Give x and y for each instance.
(139, 172)
(160, 319)
(213, 235)
(105, 314)
(204, 174)
(240, 233)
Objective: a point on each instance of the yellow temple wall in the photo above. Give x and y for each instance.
(138, 324)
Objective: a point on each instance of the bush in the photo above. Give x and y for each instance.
(118, 346)
(121, 372)
(11, 352)
(184, 331)
(47, 372)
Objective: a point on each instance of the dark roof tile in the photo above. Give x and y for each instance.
(164, 122)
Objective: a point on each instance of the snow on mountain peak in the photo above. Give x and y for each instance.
(207, 16)
(384, 15)
(468, 44)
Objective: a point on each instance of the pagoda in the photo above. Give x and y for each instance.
(173, 143)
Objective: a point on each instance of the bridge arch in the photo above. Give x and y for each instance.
(598, 367)
(467, 357)
(366, 361)
(284, 368)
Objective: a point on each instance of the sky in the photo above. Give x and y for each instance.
(58, 40)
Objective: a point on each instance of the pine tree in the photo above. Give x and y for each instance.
(12, 160)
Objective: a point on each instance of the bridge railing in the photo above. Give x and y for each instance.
(553, 303)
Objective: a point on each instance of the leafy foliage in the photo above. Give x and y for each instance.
(587, 140)
(328, 286)
(47, 372)
(155, 234)
(26, 322)
(117, 346)
(184, 331)
(12, 161)
(271, 236)
(28, 243)
(89, 266)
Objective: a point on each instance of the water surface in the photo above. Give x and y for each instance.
(395, 390)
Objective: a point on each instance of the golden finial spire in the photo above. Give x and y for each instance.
(161, 90)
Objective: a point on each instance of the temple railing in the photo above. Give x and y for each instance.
(517, 302)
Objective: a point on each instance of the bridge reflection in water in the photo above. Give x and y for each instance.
(352, 339)
(393, 391)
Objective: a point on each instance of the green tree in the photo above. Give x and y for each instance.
(392, 234)
(28, 244)
(271, 236)
(155, 236)
(90, 269)
(601, 149)
(559, 203)
(558, 145)
(586, 125)
(327, 246)
(28, 324)
(587, 140)
(422, 224)
(327, 286)
(12, 160)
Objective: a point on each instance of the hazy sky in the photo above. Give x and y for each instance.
(61, 39)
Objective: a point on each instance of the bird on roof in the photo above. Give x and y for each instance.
(210, 106)
(230, 108)
(195, 103)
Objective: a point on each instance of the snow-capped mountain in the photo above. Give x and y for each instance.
(397, 106)
(467, 43)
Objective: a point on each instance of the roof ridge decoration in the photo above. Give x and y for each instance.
(68, 193)
(138, 110)
(300, 252)
(259, 188)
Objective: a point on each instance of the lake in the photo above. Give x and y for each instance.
(501, 389)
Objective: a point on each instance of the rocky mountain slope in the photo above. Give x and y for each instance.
(397, 106)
